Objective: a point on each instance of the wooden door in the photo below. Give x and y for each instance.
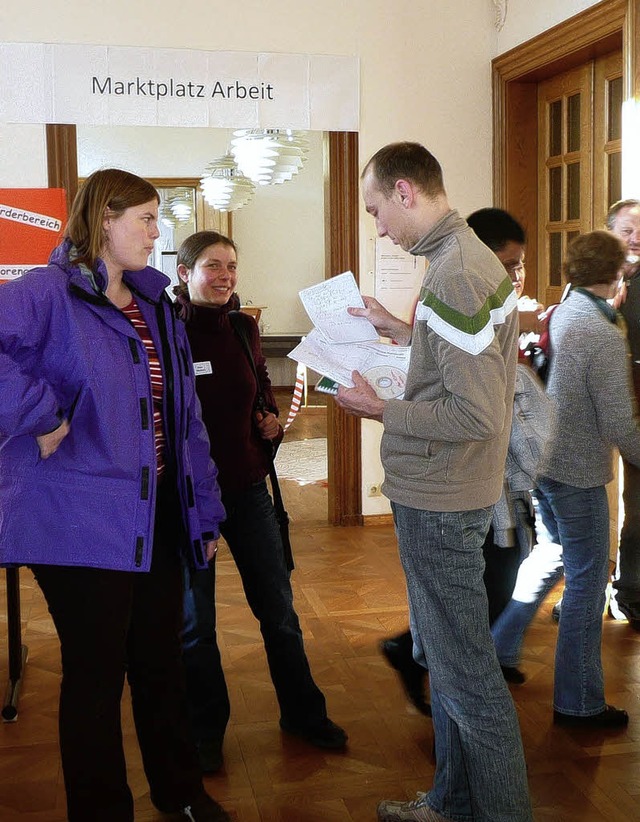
(565, 151)
(579, 160)
(607, 135)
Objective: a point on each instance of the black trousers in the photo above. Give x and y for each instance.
(112, 623)
(252, 533)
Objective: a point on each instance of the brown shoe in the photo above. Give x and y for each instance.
(415, 811)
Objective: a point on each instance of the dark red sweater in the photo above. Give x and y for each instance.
(228, 393)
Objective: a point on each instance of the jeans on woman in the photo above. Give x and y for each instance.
(252, 533)
(480, 770)
(577, 523)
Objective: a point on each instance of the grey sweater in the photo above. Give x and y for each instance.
(444, 445)
(590, 382)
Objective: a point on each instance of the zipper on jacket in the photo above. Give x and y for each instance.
(190, 498)
(139, 550)
(144, 487)
(144, 413)
(185, 361)
(169, 382)
(135, 354)
(197, 549)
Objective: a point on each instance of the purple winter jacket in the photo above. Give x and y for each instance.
(67, 352)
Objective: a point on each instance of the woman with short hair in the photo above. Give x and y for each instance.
(590, 382)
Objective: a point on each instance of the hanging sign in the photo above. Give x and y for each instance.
(121, 85)
(31, 225)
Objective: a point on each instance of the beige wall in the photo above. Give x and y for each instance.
(526, 19)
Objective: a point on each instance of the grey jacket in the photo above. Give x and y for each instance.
(444, 445)
(590, 381)
(533, 413)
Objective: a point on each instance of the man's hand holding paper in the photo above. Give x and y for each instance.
(360, 400)
(383, 321)
(327, 305)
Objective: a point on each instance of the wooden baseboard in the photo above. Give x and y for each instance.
(349, 520)
(378, 519)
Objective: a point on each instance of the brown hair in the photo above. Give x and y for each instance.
(594, 259)
(406, 161)
(191, 248)
(111, 190)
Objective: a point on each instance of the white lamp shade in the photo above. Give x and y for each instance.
(224, 187)
(269, 156)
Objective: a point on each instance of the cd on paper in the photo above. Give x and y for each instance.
(388, 382)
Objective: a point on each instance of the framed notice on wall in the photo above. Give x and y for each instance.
(31, 225)
(398, 277)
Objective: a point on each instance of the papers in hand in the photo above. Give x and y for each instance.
(326, 304)
(341, 344)
(382, 365)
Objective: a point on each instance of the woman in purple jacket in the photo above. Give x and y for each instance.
(104, 473)
(241, 436)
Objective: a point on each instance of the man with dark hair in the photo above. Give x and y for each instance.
(506, 238)
(623, 219)
(443, 450)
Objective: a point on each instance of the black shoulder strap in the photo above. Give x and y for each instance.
(238, 325)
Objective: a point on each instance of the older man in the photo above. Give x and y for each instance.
(443, 450)
(623, 220)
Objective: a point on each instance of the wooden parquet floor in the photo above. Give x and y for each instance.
(350, 593)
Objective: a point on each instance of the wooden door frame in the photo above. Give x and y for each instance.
(596, 31)
(341, 233)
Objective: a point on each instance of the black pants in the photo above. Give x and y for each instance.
(111, 623)
(252, 533)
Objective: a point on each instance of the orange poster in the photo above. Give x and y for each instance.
(31, 225)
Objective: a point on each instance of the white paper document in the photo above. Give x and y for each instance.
(326, 304)
(382, 365)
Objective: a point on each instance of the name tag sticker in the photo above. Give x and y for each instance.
(201, 368)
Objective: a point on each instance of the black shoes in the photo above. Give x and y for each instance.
(202, 809)
(513, 675)
(399, 654)
(609, 718)
(324, 734)
(632, 613)
(210, 756)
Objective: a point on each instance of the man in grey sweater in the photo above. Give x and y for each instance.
(443, 451)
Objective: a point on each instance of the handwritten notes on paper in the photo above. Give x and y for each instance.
(327, 303)
(340, 344)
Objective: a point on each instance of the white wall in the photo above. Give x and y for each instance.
(23, 156)
(425, 75)
(526, 19)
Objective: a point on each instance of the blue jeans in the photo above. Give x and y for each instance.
(577, 522)
(480, 769)
(252, 533)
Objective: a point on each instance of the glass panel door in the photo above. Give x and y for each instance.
(565, 168)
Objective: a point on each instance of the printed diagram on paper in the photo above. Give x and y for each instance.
(340, 343)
